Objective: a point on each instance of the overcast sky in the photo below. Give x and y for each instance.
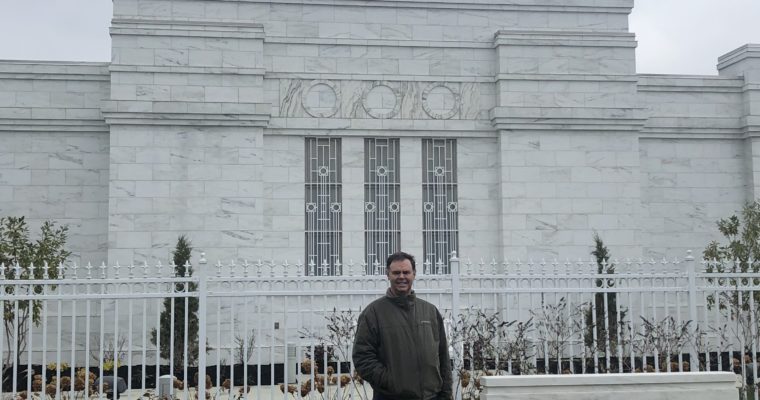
(674, 36)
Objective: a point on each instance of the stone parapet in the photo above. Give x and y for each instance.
(186, 113)
(52, 96)
(568, 119)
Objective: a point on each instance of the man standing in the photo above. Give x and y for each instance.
(400, 346)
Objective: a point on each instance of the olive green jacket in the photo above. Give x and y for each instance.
(400, 348)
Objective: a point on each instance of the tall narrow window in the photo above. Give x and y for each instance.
(382, 209)
(439, 202)
(323, 205)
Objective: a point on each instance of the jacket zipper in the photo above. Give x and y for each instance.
(416, 330)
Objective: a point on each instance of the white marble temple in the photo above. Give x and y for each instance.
(200, 118)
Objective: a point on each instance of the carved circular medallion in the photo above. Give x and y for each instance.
(321, 99)
(440, 101)
(381, 101)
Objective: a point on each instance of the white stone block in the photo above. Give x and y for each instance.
(149, 223)
(152, 189)
(134, 56)
(221, 10)
(121, 189)
(152, 92)
(239, 59)
(335, 30)
(587, 206)
(366, 31)
(286, 12)
(352, 14)
(81, 177)
(188, 188)
(28, 194)
(381, 66)
(169, 205)
(412, 16)
(186, 222)
(187, 93)
(558, 206)
(287, 223)
(132, 240)
(205, 58)
(82, 210)
(320, 65)
(131, 205)
(188, 9)
(352, 66)
(473, 18)
(221, 222)
(134, 172)
(204, 172)
(541, 190)
(221, 94)
(520, 66)
(288, 64)
(524, 174)
(396, 32)
(302, 29)
(414, 67)
(48, 113)
(318, 13)
(32, 99)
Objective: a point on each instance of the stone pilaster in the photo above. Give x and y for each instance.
(187, 119)
(353, 199)
(744, 62)
(568, 123)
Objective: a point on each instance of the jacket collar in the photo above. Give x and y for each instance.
(402, 301)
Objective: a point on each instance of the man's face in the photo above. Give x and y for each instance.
(401, 276)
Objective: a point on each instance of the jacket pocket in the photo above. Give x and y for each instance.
(429, 372)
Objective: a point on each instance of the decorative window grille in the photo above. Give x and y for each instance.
(382, 207)
(323, 208)
(439, 202)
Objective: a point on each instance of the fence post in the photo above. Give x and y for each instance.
(456, 287)
(456, 284)
(691, 272)
(203, 317)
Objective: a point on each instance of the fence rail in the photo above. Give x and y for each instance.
(104, 330)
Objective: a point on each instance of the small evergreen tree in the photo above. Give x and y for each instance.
(612, 316)
(176, 313)
(16, 248)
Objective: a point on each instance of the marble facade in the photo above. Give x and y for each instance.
(197, 127)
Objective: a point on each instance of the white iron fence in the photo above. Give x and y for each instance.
(100, 331)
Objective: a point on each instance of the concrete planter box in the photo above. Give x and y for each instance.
(654, 386)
